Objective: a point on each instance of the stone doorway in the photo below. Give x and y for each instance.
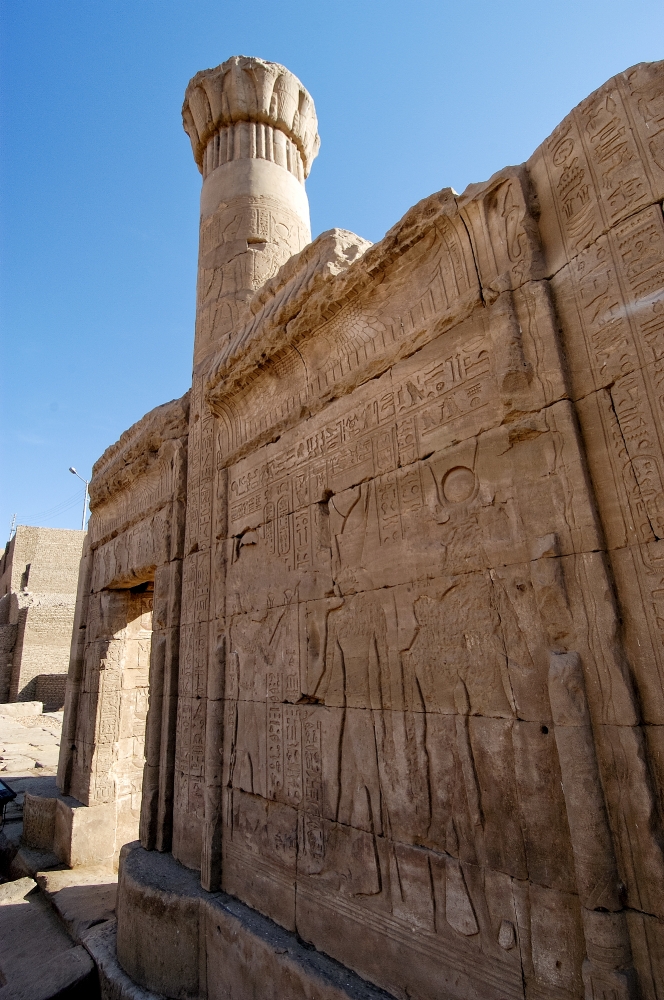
(107, 754)
(99, 808)
(122, 711)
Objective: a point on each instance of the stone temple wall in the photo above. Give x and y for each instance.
(38, 579)
(126, 625)
(407, 700)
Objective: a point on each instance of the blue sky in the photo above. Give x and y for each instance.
(99, 191)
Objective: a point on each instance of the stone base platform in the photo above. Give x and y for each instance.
(75, 833)
(38, 958)
(114, 982)
(175, 940)
(82, 897)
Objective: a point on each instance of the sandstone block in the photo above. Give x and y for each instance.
(373, 615)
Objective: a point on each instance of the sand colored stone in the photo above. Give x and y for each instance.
(389, 577)
(29, 743)
(38, 579)
(38, 960)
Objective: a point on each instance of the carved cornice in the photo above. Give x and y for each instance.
(339, 314)
(246, 89)
(138, 450)
(281, 300)
(293, 306)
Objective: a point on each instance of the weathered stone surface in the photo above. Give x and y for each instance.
(38, 960)
(132, 558)
(395, 562)
(38, 821)
(151, 443)
(243, 948)
(38, 576)
(29, 860)
(29, 746)
(83, 897)
(114, 982)
(22, 709)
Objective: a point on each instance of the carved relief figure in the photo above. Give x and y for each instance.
(406, 670)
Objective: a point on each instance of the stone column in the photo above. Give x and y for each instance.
(253, 131)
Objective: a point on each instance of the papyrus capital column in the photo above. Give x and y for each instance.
(254, 135)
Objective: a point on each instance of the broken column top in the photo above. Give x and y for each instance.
(247, 89)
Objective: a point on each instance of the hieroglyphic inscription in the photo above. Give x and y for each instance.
(619, 286)
(450, 387)
(314, 841)
(355, 338)
(389, 427)
(606, 185)
(393, 567)
(196, 607)
(120, 677)
(241, 247)
(293, 754)
(596, 172)
(154, 489)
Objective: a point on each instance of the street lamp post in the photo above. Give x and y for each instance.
(85, 498)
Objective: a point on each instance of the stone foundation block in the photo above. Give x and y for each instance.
(22, 709)
(75, 833)
(114, 982)
(84, 834)
(38, 821)
(186, 944)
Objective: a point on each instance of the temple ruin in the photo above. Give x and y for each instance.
(388, 585)
(38, 579)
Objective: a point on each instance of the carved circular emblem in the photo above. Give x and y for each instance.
(458, 484)
(562, 151)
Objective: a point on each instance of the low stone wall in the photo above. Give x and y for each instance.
(50, 689)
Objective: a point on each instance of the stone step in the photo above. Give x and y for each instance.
(38, 958)
(30, 860)
(83, 898)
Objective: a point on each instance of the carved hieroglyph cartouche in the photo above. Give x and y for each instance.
(402, 546)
